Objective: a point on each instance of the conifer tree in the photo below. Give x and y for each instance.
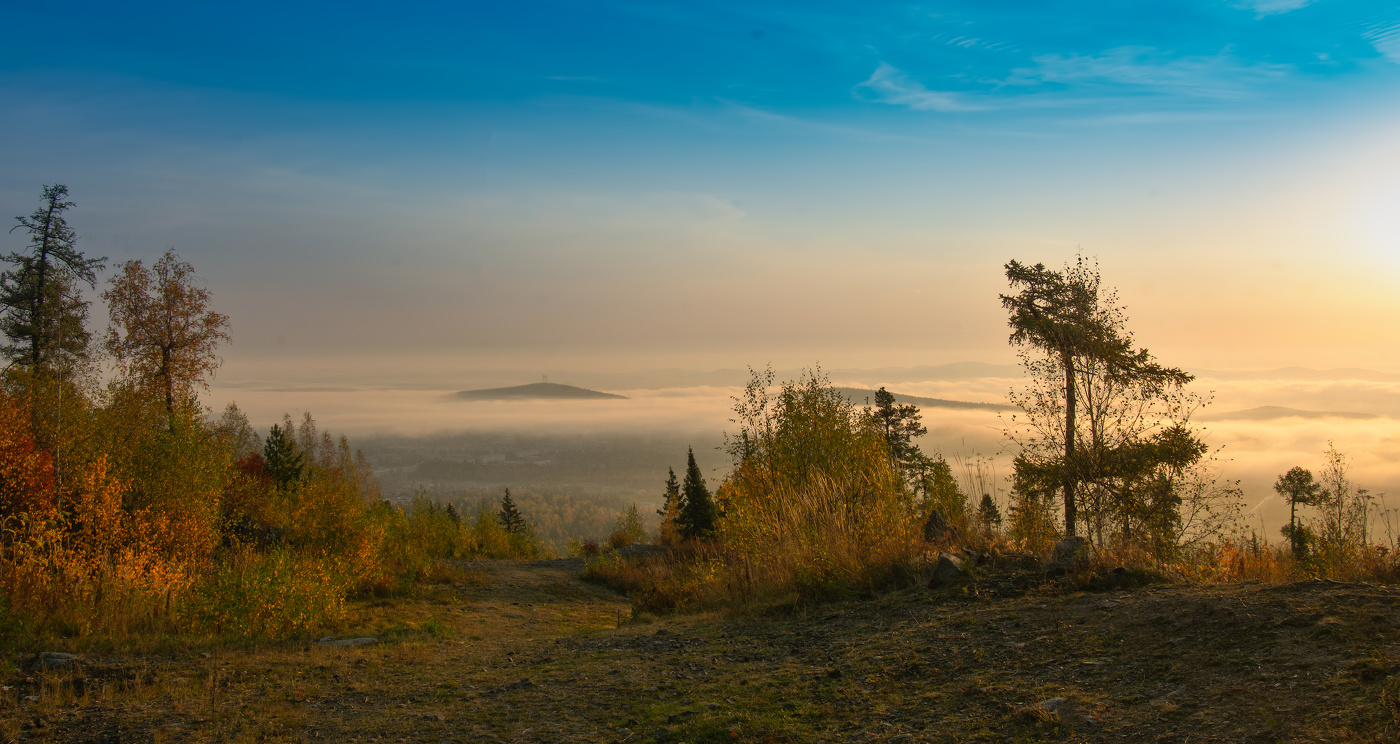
(697, 513)
(511, 519)
(988, 513)
(284, 462)
(43, 313)
(1298, 487)
(673, 495)
(899, 424)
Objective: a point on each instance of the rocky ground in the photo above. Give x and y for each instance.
(526, 652)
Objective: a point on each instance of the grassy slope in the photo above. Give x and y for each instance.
(521, 652)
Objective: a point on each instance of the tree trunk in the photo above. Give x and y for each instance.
(1069, 446)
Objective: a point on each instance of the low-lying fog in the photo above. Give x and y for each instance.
(694, 408)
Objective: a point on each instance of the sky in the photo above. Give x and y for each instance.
(424, 193)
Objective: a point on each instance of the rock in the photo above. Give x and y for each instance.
(1053, 705)
(331, 641)
(948, 572)
(638, 550)
(937, 529)
(47, 660)
(1070, 553)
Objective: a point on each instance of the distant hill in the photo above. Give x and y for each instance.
(861, 396)
(1269, 413)
(535, 390)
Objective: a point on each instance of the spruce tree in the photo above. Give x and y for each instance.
(697, 515)
(285, 462)
(511, 519)
(44, 315)
(673, 494)
(988, 513)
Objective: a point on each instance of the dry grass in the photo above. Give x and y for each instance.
(509, 651)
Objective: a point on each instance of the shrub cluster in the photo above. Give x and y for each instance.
(142, 520)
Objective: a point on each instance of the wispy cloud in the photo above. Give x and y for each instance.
(1270, 7)
(889, 84)
(1077, 80)
(1139, 69)
(1386, 39)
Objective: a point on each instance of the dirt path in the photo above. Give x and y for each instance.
(527, 652)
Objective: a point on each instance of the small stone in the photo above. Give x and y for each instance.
(1053, 705)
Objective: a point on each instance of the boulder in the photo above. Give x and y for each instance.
(937, 529)
(46, 660)
(1070, 553)
(948, 571)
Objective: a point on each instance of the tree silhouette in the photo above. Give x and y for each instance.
(43, 314)
(511, 519)
(697, 517)
(673, 495)
(1297, 487)
(1079, 329)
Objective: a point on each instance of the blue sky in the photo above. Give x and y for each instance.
(597, 184)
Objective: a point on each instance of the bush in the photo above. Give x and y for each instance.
(815, 503)
(271, 594)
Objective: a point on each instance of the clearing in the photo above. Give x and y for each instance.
(526, 652)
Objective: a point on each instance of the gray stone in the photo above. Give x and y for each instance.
(937, 529)
(1071, 552)
(1053, 705)
(948, 571)
(330, 641)
(47, 660)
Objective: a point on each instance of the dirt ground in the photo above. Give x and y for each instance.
(526, 652)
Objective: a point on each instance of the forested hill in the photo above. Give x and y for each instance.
(536, 390)
(862, 397)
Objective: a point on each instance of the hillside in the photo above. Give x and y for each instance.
(536, 390)
(511, 651)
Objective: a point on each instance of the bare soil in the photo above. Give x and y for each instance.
(526, 652)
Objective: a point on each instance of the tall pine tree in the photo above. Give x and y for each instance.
(697, 514)
(673, 495)
(44, 314)
(511, 518)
